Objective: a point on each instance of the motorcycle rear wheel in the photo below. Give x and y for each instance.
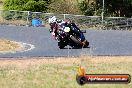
(86, 44)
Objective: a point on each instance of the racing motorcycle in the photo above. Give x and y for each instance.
(67, 36)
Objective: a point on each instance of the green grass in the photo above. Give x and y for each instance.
(1, 4)
(59, 75)
(7, 45)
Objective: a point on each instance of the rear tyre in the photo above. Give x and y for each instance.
(86, 44)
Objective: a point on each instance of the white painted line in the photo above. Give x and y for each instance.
(24, 47)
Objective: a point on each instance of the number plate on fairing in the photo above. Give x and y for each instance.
(66, 29)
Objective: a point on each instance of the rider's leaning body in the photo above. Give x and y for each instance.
(55, 25)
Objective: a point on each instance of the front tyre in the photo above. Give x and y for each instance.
(61, 45)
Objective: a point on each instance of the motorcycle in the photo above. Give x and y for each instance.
(67, 36)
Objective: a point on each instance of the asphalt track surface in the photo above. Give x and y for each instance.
(102, 42)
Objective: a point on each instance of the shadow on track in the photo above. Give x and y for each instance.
(75, 48)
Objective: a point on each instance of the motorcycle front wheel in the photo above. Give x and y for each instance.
(61, 45)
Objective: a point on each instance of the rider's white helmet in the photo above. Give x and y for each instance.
(52, 19)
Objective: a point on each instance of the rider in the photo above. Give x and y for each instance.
(55, 24)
